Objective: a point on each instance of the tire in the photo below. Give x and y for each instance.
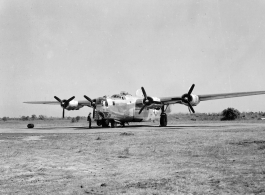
(105, 123)
(30, 126)
(163, 120)
(113, 124)
(99, 123)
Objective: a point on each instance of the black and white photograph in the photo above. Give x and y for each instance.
(130, 97)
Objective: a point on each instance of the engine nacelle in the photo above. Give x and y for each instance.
(73, 105)
(157, 105)
(195, 100)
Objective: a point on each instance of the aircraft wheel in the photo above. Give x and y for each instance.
(99, 123)
(113, 124)
(105, 123)
(163, 120)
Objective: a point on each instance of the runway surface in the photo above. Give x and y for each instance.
(186, 157)
(131, 128)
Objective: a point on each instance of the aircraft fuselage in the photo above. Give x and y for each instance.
(124, 109)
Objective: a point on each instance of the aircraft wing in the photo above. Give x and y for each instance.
(178, 99)
(228, 95)
(171, 100)
(44, 102)
(80, 103)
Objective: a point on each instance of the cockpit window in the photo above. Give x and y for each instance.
(122, 95)
(116, 96)
(125, 93)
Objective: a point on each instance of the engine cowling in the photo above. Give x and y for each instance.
(194, 100)
(73, 105)
(156, 103)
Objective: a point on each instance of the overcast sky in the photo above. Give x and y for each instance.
(97, 48)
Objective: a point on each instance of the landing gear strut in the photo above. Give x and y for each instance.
(163, 117)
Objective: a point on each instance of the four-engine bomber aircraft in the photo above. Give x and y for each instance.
(123, 108)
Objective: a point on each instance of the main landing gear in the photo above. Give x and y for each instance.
(106, 122)
(163, 120)
(103, 123)
(163, 117)
(113, 124)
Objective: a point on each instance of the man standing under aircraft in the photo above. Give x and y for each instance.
(89, 120)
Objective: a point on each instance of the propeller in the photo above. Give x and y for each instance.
(147, 100)
(93, 104)
(64, 103)
(187, 98)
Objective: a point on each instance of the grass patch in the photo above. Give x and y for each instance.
(195, 158)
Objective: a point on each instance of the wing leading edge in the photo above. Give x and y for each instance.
(80, 103)
(178, 99)
(44, 102)
(228, 95)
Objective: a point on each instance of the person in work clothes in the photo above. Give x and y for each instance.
(89, 119)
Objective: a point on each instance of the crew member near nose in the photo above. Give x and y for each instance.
(89, 119)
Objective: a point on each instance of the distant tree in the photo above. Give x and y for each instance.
(42, 117)
(77, 118)
(4, 118)
(230, 114)
(34, 117)
(73, 120)
(25, 118)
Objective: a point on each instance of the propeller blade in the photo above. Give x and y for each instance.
(70, 99)
(191, 107)
(145, 96)
(58, 99)
(92, 103)
(141, 109)
(64, 103)
(88, 99)
(191, 89)
(94, 113)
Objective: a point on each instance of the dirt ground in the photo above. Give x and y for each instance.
(183, 158)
